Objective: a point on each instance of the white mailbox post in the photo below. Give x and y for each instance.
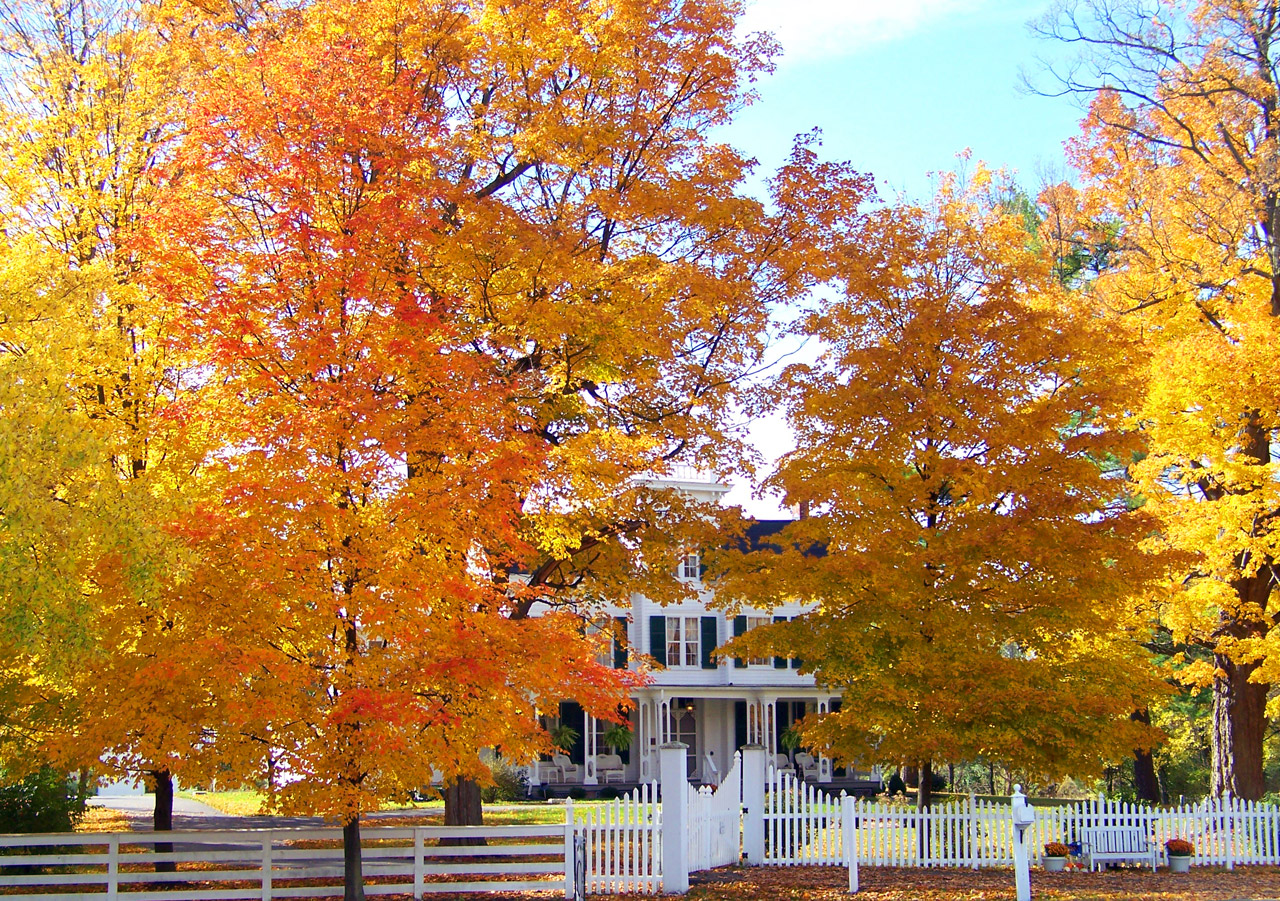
(1023, 816)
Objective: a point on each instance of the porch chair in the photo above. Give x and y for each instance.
(569, 771)
(548, 772)
(808, 766)
(609, 768)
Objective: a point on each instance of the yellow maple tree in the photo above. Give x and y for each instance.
(1178, 155)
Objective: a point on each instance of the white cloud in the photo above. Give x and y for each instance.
(814, 29)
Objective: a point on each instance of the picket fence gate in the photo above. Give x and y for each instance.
(623, 847)
(715, 821)
(271, 863)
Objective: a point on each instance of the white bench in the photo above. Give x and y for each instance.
(1099, 844)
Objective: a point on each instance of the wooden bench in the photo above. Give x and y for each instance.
(1100, 844)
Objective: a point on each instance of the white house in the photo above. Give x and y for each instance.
(714, 706)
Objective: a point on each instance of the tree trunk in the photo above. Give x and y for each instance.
(1239, 727)
(352, 864)
(924, 799)
(1145, 784)
(911, 776)
(924, 786)
(162, 817)
(462, 807)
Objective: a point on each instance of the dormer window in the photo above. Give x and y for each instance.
(690, 566)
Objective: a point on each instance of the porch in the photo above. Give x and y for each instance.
(714, 724)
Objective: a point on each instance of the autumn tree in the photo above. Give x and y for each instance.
(101, 463)
(1179, 155)
(971, 547)
(462, 275)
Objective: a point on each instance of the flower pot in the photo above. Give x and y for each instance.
(1179, 864)
(1054, 864)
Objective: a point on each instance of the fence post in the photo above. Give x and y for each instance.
(113, 867)
(753, 769)
(570, 865)
(675, 817)
(849, 840)
(419, 852)
(266, 866)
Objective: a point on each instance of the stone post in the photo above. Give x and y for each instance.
(675, 817)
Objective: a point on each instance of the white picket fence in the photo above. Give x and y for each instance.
(804, 826)
(270, 863)
(715, 821)
(623, 842)
(801, 823)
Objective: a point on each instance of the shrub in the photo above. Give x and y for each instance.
(509, 784)
(608, 793)
(578, 793)
(1179, 847)
(45, 801)
(1056, 849)
(896, 786)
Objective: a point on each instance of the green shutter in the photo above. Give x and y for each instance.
(708, 642)
(658, 639)
(779, 662)
(619, 642)
(739, 628)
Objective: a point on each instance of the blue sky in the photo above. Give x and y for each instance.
(899, 88)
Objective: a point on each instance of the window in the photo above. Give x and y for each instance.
(752, 622)
(682, 641)
(690, 566)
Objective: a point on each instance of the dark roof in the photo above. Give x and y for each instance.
(760, 531)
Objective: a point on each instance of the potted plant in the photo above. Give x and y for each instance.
(617, 737)
(1179, 852)
(1055, 856)
(564, 737)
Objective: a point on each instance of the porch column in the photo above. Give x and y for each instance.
(771, 727)
(589, 752)
(644, 738)
(532, 771)
(824, 762)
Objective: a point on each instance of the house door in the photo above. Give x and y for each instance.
(684, 728)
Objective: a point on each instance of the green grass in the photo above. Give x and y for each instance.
(240, 803)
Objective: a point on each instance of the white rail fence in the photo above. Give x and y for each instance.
(271, 863)
(715, 821)
(623, 842)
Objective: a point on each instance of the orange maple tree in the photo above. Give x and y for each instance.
(461, 276)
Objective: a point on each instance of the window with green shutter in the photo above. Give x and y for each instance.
(658, 639)
(620, 642)
(709, 636)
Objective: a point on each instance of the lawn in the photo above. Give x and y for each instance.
(242, 803)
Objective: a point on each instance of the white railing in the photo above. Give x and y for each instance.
(804, 826)
(623, 842)
(715, 821)
(801, 822)
(271, 863)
